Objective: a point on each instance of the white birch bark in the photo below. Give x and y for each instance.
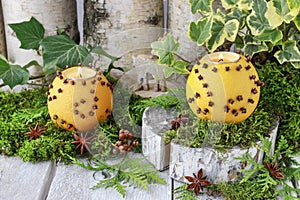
(51, 13)
(122, 27)
(2, 34)
(179, 18)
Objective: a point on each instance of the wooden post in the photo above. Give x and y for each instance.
(122, 27)
(51, 13)
(2, 33)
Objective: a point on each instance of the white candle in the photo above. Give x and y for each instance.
(80, 72)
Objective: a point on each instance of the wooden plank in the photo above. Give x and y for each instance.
(20, 180)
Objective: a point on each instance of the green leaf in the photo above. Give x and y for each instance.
(296, 64)
(165, 49)
(13, 75)
(289, 52)
(61, 51)
(257, 21)
(221, 31)
(253, 46)
(99, 50)
(245, 4)
(273, 36)
(228, 4)
(180, 67)
(238, 15)
(30, 33)
(201, 6)
(31, 63)
(200, 32)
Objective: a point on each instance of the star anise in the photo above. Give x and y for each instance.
(36, 131)
(178, 121)
(274, 170)
(82, 142)
(197, 182)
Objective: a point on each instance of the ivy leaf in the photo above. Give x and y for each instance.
(228, 4)
(256, 20)
(60, 51)
(30, 33)
(289, 52)
(253, 46)
(296, 64)
(199, 32)
(238, 15)
(273, 36)
(221, 30)
(201, 6)
(31, 63)
(297, 21)
(165, 49)
(245, 4)
(13, 75)
(279, 10)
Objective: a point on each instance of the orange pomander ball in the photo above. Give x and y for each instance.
(79, 98)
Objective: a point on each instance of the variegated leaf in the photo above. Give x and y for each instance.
(245, 4)
(228, 4)
(282, 9)
(273, 36)
(289, 52)
(199, 32)
(296, 64)
(201, 6)
(253, 46)
(297, 21)
(273, 17)
(221, 31)
(238, 15)
(293, 4)
(257, 21)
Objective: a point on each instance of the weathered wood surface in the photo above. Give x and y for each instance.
(122, 27)
(51, 13)
(20, 180)
(156, 121)
(2, 33)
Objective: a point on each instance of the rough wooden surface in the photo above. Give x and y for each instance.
(51, 13)
(122, 27)
(2, 33)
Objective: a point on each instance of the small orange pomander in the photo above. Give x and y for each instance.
(78, 98)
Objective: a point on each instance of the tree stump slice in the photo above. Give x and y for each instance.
(219, 166)
(123, 28)
(156, 120)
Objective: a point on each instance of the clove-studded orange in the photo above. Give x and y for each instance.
(78, 98)
(223, 86)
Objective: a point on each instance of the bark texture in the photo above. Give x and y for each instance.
(122, 27)
(51, 13)
(2, 33)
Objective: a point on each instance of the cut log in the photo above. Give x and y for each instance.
(51, 13)
(122, 27)
(2, 33)
(156, 121)
(179, 17)
(219, 166)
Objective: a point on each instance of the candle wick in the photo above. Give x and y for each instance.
(221, 60)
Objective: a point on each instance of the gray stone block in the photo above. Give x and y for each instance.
(24, 181)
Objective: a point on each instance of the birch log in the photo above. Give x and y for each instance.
(2, 34)
(179, 17)
(51, 13)
(122, 27)
(219, 166)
